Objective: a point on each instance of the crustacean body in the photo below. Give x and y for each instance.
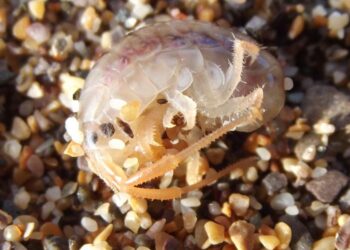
(165, 92)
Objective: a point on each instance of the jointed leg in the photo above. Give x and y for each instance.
(251, 49)
(242, 164)
(109, 171)
(177, 192)
(170, 162)
(235, 69)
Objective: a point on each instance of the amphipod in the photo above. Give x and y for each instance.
(167, 91)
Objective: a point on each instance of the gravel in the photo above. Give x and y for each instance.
(47, 49)
(328, 186)
(89, 224)
(282, 201)
(327, 102)
(301, 237)
(274, 182)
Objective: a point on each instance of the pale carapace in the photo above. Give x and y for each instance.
(165, 92)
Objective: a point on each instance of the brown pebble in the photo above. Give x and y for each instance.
(328, 186)
(84, 178)
(223, 220)
(120, 239)
(241, 234)
(20, 129)
(320, 21)
(165, 241)
(273, 182)
(50, 229)
(35, 165)
(199, 233)
(265, 229)
(255, 140)
(20, 176)
(326, 102)
(25, 154)
(215, 155)
(239, 203)
(143, 240)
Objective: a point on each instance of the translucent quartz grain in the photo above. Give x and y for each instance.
(12, 233)
(89, 224)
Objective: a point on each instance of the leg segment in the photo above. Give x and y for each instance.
(170, 162)
(234, 72)
(177, 192)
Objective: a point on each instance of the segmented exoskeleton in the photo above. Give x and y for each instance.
(165, 92)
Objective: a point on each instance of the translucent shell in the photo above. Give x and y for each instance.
(146, 62)
(139, 91)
